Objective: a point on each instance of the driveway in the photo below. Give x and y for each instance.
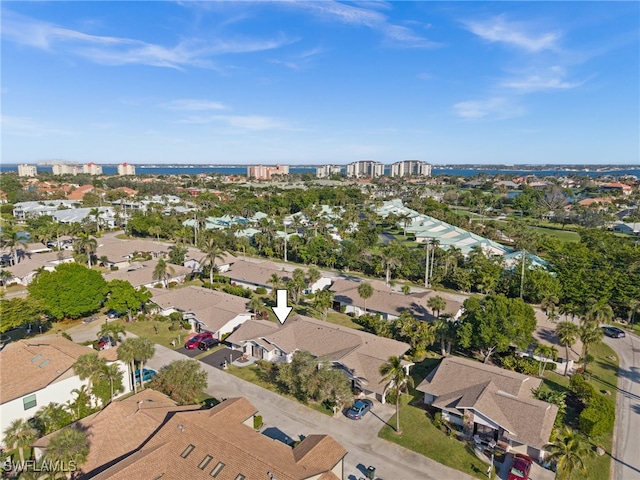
(194, 352)
(217, 358)
(360, 438)
(626, 447)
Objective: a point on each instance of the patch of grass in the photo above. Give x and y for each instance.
(343, 320)
(562, 235)
(250, 374)
(419, 435)
(164, 336)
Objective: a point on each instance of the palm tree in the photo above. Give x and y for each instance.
(389, 260)
(95, 213)
(20, 434)
(87, 245)
(163, 271)
(5, 276)
(549, 306)
(313, 275)
(87, 366)
(127, 354)
(365, 290)
(405, 220)
(275, 282)
(323, 302)
(569, 450)
(67, 446)
(257, 305)
(599, 313)
(567, 333)
(113, 329)
(144, 349)
(212, 252)
(155, 230)
(394, 373)
(12, 238)
(111, 373)
(590, 334)
(547, 352)
(437, 304)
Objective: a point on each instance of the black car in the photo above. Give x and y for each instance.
(613, 332)
(207, 343)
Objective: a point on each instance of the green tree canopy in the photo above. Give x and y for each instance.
(182, 380)
(124, 297)
(18, 311)
(495, 322)
(70, 291)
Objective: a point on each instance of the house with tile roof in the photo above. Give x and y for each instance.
(222, 443)
(206, 310)
(36, 372)
(358, 354)
(119, 428)
(494, 406)
(29, 263)
(385, 301)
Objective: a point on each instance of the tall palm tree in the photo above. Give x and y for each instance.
(163, 271)
(323, 301)
(12, 237)
(114, 329)
(95, 213)
(569, 450)
(67, 446)
(599, 313)
(590, 334)
(212, 253)
(547, 352)
(313, 275)
(567, 333)
(389, 260)
(365, 291)
(87, 245)
(437, 304)
(405, 219)
(257, 305)
(396, 376)
(20, 434)
(110, 372)
(275, 282)
(5, 276)
(87, 366)
(127, 354)
(549, 306)
(144, 350)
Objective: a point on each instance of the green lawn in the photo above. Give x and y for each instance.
(343, 320)
(604, 377)
(419, 434)
(562, 235)
(250, 374)
(164, 336)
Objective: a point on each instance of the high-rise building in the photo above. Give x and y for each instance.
(60, 168)
(261, 172)
(92, 169)
(325, 171)
(411, 168)
(365, 169)
(126, 169)
(25, 170)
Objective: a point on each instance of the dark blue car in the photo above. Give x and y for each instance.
(359, 409)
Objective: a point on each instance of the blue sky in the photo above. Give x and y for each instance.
(321, 82)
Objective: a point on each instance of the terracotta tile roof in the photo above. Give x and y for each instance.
(219, 434)
(501, 395)
(122, 426)
(31, 365)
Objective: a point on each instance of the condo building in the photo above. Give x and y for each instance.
(262, 172)
(325, 171)
(25, 170)
(365, 169)
(126, 169)
(411, 168)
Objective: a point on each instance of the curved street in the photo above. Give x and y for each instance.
(626, 447)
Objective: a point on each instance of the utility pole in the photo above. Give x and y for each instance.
(426, 270)
(524, 256)
(285, 241)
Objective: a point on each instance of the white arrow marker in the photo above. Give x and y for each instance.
(281, 309)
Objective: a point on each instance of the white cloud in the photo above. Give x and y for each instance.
(251, 122)
(194, 105)
(499, 108)
(124, 51)
(517, 34)
(552, 79)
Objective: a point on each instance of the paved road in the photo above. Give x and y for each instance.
(292, 419)
(626, 448)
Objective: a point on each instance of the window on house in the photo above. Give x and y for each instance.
(217, 469)
(187, 451)
(205, 461)
(29, 401)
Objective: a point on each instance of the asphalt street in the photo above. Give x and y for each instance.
(626, 448)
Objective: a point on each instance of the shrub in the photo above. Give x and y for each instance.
(173, 284)
(237, 291)
(581, 388)
(257, 422)
(598, 417)
(437, 420)
(261, 291)
(174, 326)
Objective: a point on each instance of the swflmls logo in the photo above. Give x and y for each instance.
(44, 466)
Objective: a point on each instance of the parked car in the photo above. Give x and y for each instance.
(359, 409)
(207, 343)
(520, 467)
(105, 342)
(89, 320)
(147, 374)
(194, 341)
(613, 332)
(112, 314)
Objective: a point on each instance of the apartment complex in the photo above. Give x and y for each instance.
(365, 169)
(91, 169)
(325, 171)
(411, 168)
(126, 169)
(25, 170)
(261, 172)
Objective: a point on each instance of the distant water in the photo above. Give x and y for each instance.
(457, 170)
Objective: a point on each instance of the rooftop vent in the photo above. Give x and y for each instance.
(43, 364)
(36, 358)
